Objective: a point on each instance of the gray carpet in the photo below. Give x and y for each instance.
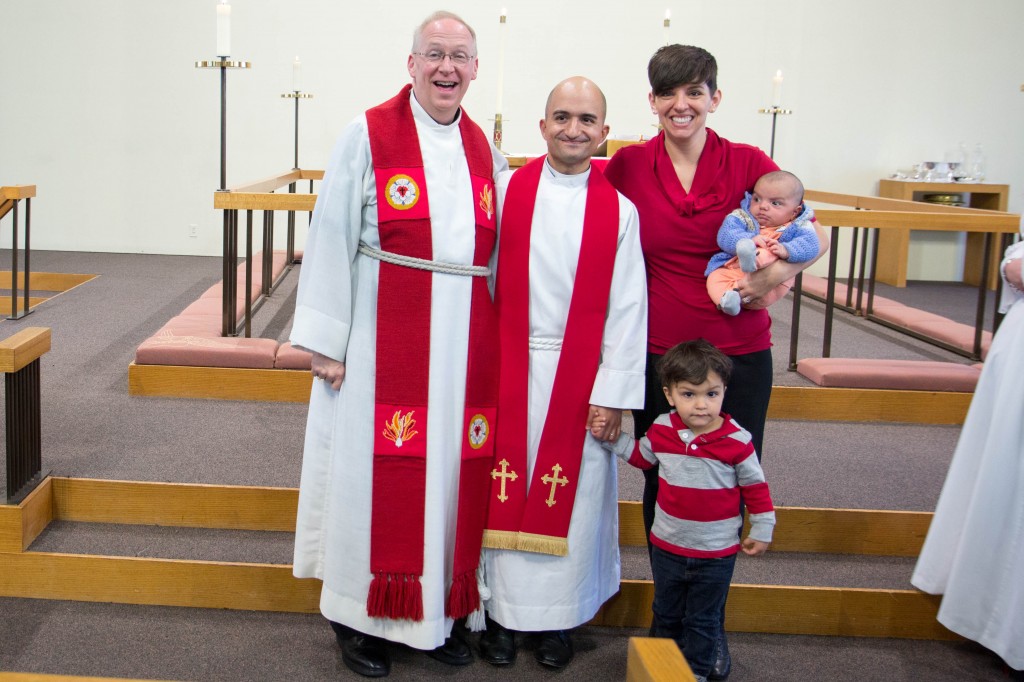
(149, 642)
(93, 429)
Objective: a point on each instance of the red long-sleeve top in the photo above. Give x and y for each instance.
(678, 231)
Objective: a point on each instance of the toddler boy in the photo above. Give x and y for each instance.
(707, 468)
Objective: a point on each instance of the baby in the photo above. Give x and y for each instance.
(771, 224)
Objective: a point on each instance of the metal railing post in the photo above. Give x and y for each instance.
(19, 360)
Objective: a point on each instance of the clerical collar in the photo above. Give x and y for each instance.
(421, 115)
(562, 178)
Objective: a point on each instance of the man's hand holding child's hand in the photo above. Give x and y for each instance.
(605, 423)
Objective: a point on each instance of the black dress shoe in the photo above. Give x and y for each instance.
(498, 644)
(363, 654)
(723, 661)
(554, 649)
(454, 651)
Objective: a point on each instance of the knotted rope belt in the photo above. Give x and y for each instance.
(541, 343)
(424, 264)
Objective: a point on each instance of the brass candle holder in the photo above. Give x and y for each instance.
(497, 131)
(297, 95)
(223, 63)
(775, 112)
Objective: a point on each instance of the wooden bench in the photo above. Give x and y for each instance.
(193, 337)
(905, 375)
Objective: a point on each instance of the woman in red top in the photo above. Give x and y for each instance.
(684, 182)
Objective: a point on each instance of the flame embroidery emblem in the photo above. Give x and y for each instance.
(400, 428)
(487, 201)
(403, 193)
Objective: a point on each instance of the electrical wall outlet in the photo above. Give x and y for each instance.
(193, 230)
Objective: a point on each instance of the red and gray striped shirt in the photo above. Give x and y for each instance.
(702, 480)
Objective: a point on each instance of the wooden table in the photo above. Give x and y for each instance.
(894, 245)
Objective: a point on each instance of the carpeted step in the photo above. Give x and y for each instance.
(166, 542)
(799, 568)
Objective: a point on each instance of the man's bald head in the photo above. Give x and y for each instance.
(580, 84)
(573, 124)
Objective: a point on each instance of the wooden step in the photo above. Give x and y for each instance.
(787, 402)
(37, 677)
(45, 281)
(800, 529)
(39, 282)
(258, 586)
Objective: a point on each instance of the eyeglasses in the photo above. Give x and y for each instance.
(437, 56)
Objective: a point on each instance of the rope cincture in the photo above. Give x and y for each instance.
(541, 343)
(424, 264)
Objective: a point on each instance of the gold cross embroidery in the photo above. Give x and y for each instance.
(504, 475)
(554, 481)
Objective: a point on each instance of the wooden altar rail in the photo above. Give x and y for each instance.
(868, 213)
(874, 214)
(19, 361)
(258, 196)
(9, 198)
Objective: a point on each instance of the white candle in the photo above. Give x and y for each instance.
(296, 75)
(667, 23)
(501, 59)
(223, 29)
(777, 88)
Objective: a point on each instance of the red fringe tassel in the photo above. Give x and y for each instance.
(395, 595)
(464, 597)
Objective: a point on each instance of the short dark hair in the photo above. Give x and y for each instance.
(691, 361)
(675, 65)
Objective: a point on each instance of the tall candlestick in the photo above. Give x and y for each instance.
(296, 75)
(777, 89)
(667, 23)
(223, 29)
(501, 59)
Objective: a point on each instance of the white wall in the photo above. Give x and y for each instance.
(102, 109)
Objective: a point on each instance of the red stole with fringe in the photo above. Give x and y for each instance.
(403, 371)
(539, 521)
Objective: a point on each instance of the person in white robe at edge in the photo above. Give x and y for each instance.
(541, 593)
(337, 318)
(974, 551)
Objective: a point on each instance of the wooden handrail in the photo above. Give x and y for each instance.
(24, 347)
(900, 214)
(18, 192)
(261, 195)
(276, 182)
(996, 222)
(263, 201)
(866, 211)
(11, 193)
(882, 203)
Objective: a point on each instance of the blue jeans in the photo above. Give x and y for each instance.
(689, 599)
